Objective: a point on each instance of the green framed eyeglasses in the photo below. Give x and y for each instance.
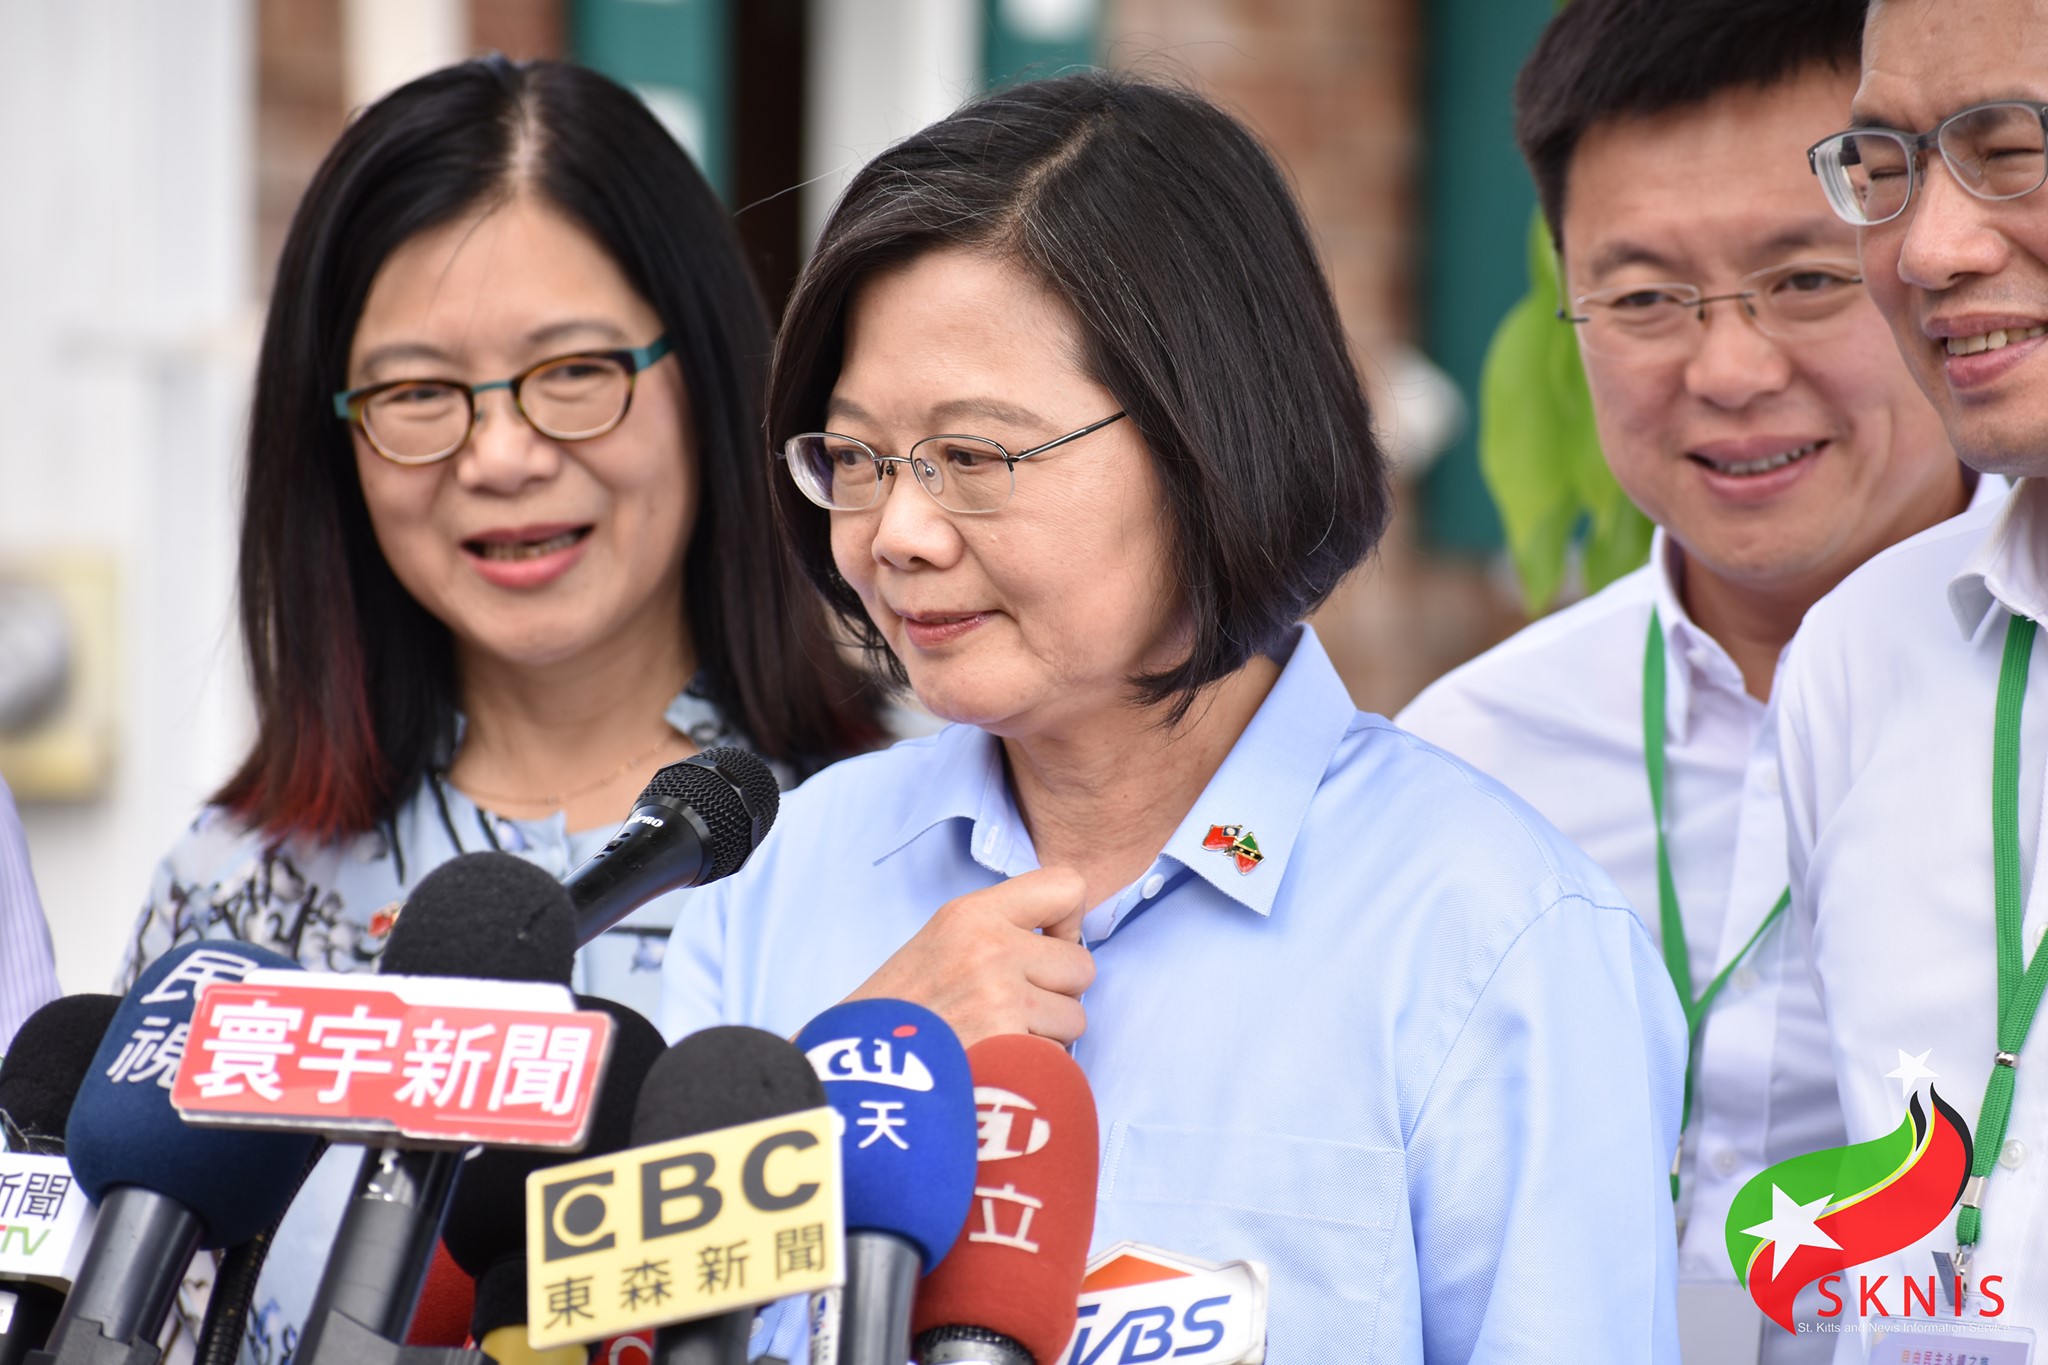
(571, 397)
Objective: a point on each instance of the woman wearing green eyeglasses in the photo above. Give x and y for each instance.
(507, 543)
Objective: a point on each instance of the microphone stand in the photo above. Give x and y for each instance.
(120, 1299)
(881, 1283)
(379, 1261)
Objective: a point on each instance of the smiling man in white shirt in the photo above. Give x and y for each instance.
(1750, 401)
(1913, 745)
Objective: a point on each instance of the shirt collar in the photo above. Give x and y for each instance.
(964, 778)
(1692, 658)
(2009, 568)
(1265, 785)
(1270, 777)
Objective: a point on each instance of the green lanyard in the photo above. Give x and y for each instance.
(1671, 925)
(2019, 988)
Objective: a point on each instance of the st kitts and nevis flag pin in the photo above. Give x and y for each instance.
(1237, 841)
(1825, 1212)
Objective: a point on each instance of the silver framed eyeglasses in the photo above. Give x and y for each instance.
(1994, 151)
(565, 398)
(970, 474)
(1657, 322)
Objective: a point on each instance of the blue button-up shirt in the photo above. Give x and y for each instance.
(28, 973)
(1422, 1060)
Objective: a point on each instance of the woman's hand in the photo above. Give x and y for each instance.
(982, 966)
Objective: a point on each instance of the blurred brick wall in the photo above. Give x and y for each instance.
(299, 113)
(521, 29)
(1332, 87)
(299, 93)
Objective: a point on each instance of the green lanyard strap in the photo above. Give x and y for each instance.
(1671, 924)
(2019, 988)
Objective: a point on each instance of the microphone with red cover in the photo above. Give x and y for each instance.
(1006, 1293)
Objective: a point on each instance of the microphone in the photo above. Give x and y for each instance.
(899, 1078)
(39, 1079)
(480, 915)
(163, 1190)
(719, 1078)
(697, 821)
(486, 1227)
(40, 1076)
(1007, 1293)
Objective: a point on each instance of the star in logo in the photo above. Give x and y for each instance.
(1910, 1072)
(1792, 1225)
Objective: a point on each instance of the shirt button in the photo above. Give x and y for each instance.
(2012, 1154)
(1744, 979)
(1151, 886)
(1724, 1162)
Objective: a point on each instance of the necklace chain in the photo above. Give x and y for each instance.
(563, 797)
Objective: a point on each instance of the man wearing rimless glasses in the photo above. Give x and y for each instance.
(1913, 746)
(1749, 401)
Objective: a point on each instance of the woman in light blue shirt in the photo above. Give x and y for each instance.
(1348, 1007)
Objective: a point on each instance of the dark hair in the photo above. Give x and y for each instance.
(354, 681)
(1171, 235)
(1603, 59)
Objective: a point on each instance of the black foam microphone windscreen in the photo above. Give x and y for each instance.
(716, 1079)
(44, 1067)
(487, 915)
(486, 1227)
(720, 1077)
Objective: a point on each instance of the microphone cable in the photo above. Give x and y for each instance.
(234, 1283)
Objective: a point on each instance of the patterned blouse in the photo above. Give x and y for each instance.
(315, 903)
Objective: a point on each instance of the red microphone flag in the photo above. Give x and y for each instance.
(1018, 1264)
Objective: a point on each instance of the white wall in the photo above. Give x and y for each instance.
(386, 43)
(128, 334)
(880, 70)
(125, 346)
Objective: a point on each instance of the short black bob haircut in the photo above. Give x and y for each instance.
(354, 681)
(1605, 59)
(1173, 238)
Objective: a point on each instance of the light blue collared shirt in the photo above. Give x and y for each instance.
(28, 973)
(1422, 1060)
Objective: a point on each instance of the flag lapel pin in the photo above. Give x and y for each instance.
(1236, 841)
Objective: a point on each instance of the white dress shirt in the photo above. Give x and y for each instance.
(1556, 713)
(1886, 709)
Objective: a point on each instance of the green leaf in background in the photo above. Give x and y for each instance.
(1540, 453)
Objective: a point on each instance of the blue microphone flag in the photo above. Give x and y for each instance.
(123, 1130)
(898, 1077)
